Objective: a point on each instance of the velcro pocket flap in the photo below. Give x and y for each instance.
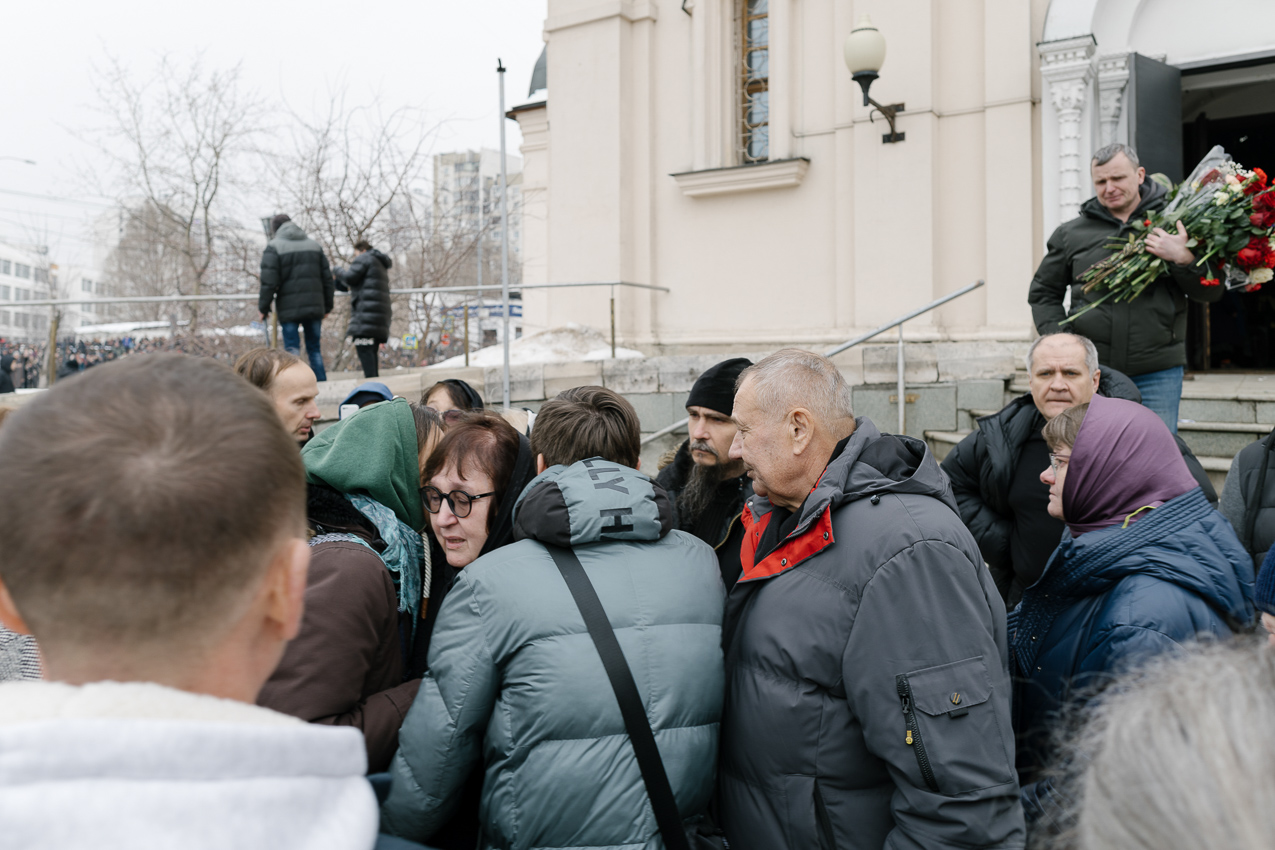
(949, 688)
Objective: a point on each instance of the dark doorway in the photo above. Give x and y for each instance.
(1237, 332)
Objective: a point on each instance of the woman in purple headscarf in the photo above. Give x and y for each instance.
(1146, 564)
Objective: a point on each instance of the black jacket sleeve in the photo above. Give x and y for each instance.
(1188, 276)
(1053, 277)
(269, 279)
(329, 285)
(963, 466)
(1197, 471)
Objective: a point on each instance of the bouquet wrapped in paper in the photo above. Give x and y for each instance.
(1229, 215)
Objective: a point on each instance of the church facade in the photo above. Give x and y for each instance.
(720, 151)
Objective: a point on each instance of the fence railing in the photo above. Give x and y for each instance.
(862, 338)
(252, 296)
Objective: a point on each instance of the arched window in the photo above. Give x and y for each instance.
(754, 80)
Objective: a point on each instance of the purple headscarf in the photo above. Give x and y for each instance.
(1124, 459)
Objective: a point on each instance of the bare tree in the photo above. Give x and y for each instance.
(175, 140)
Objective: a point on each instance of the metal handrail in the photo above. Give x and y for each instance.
(252, 296)
(856, 341)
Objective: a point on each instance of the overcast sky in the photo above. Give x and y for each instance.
(430, 54)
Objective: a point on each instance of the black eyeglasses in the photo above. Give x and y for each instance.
(459, 501)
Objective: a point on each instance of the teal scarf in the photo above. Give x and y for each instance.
(403, 553)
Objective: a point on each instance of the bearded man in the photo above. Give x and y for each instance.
(705, 486)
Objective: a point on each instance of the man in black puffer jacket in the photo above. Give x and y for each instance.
(370, 307)
(995, 471)
(295, 271)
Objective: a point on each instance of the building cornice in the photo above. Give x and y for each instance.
(629, 10)
(778, 174)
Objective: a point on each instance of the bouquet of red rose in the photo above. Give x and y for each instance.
(1229, 215)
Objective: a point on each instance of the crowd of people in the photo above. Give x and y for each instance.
(437, 624)
(831, 639)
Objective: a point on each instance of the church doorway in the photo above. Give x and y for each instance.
(1232, 106)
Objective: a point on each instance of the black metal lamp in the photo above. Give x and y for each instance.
(865, 54)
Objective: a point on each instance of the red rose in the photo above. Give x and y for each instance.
(1210, 281)
(1265, 202)
(1255, 255)
(1253, 287)
(1146, 223)
(1256, 183)
(1262, 219)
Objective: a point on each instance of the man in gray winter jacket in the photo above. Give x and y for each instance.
(296, 277)
(515, 684)
(867, 685)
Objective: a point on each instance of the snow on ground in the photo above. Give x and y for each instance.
(570, 344)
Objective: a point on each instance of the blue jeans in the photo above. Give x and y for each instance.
(1162, 392)
(313, 338)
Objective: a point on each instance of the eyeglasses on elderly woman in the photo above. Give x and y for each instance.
(460, 502)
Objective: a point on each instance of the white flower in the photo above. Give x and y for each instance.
(1272, 243)
(1235, 188)
(1262, 275)
(1219, 198)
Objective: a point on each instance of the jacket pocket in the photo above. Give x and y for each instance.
(953, 727)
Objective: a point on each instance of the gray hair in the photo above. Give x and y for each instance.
(795, 378)
(1181, 756)
(1091, 351)
(1102, 156)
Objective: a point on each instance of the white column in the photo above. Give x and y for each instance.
(1113, 76)
(1067, 68)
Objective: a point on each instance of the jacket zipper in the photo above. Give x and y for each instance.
(826, 839)
(913, 738)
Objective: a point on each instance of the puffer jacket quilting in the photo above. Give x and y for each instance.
(516, 683)
(371, 309)
(295, 272)
(879, 580)
(1114, 597)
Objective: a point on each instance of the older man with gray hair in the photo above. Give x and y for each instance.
(867, 692)
(995, 471)
(1145, 338)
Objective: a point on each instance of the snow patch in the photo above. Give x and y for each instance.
(569, 344)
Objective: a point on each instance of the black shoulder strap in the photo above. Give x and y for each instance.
(626, 694)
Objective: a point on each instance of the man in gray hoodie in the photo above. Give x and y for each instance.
(867, 685)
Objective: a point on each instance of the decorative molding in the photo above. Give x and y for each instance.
(776, 174)
(629, 10)
(1113, 76)
(1067, 67)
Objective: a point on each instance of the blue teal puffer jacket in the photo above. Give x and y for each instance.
(515, 683)
(1113, 597)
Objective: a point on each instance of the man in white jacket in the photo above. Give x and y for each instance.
(154, 545)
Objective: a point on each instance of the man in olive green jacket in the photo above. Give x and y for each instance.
(1144, 338)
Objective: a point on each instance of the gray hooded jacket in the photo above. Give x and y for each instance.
(868, 694)
(515, 683)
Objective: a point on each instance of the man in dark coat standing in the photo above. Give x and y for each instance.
(995, 471)
(371, 309)
(867, 684)
(1145, 338)
(705, 486)
(295, 272)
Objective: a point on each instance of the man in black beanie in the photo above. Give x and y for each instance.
(706, 487)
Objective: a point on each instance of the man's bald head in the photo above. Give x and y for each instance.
(792, 409)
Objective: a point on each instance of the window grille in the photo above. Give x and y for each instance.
(754, 80)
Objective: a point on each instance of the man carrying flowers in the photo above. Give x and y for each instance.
(1144, 337)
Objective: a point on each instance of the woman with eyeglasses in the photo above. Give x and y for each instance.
(1146, 565)
(356, 661)
(472, 480)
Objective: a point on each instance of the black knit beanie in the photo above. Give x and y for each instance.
(277, 222)
(715, 389)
